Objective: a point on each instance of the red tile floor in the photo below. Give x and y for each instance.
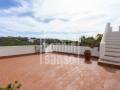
(58, 72)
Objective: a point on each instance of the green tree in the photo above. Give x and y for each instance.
(91, 41)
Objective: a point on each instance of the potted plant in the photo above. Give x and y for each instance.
(87, 55)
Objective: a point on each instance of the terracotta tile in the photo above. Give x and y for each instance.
(35, 72)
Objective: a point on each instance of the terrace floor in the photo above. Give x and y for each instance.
(58, 72)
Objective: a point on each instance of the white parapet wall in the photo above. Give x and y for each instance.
(28, 49)
(17, 50)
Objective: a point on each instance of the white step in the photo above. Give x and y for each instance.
(112, 43)
(112, 40)
(112, 50)
(112, 59)
(110, 63)
(114, 54)
(112, 46)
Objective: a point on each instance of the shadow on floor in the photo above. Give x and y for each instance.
(110, 69)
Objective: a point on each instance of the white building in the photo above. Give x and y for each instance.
(110, 46)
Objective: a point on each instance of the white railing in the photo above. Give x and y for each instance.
(72, 49)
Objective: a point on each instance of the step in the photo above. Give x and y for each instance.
(112, 40)
(112, 50)
(112, 46)
(112, 43)
(108, 63)
(114, 54)
(112, 59)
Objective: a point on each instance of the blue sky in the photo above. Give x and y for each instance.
(5, 4)
(67, 19)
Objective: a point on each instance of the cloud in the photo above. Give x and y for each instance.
(21, 24)
(71, 8)
(24, 7)
(73, 16)
(81, 15)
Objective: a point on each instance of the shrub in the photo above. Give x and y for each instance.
(87, 55)
(14, 86)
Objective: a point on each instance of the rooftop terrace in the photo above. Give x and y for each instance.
(39, 72)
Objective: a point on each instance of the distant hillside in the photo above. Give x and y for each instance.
(12, 41)
(83, 41)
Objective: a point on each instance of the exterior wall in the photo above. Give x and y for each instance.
(109, 34)
(102, 49)
(110, 46)
(16, 50)
(113, 35)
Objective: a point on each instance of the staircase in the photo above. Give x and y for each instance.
(110, 47)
